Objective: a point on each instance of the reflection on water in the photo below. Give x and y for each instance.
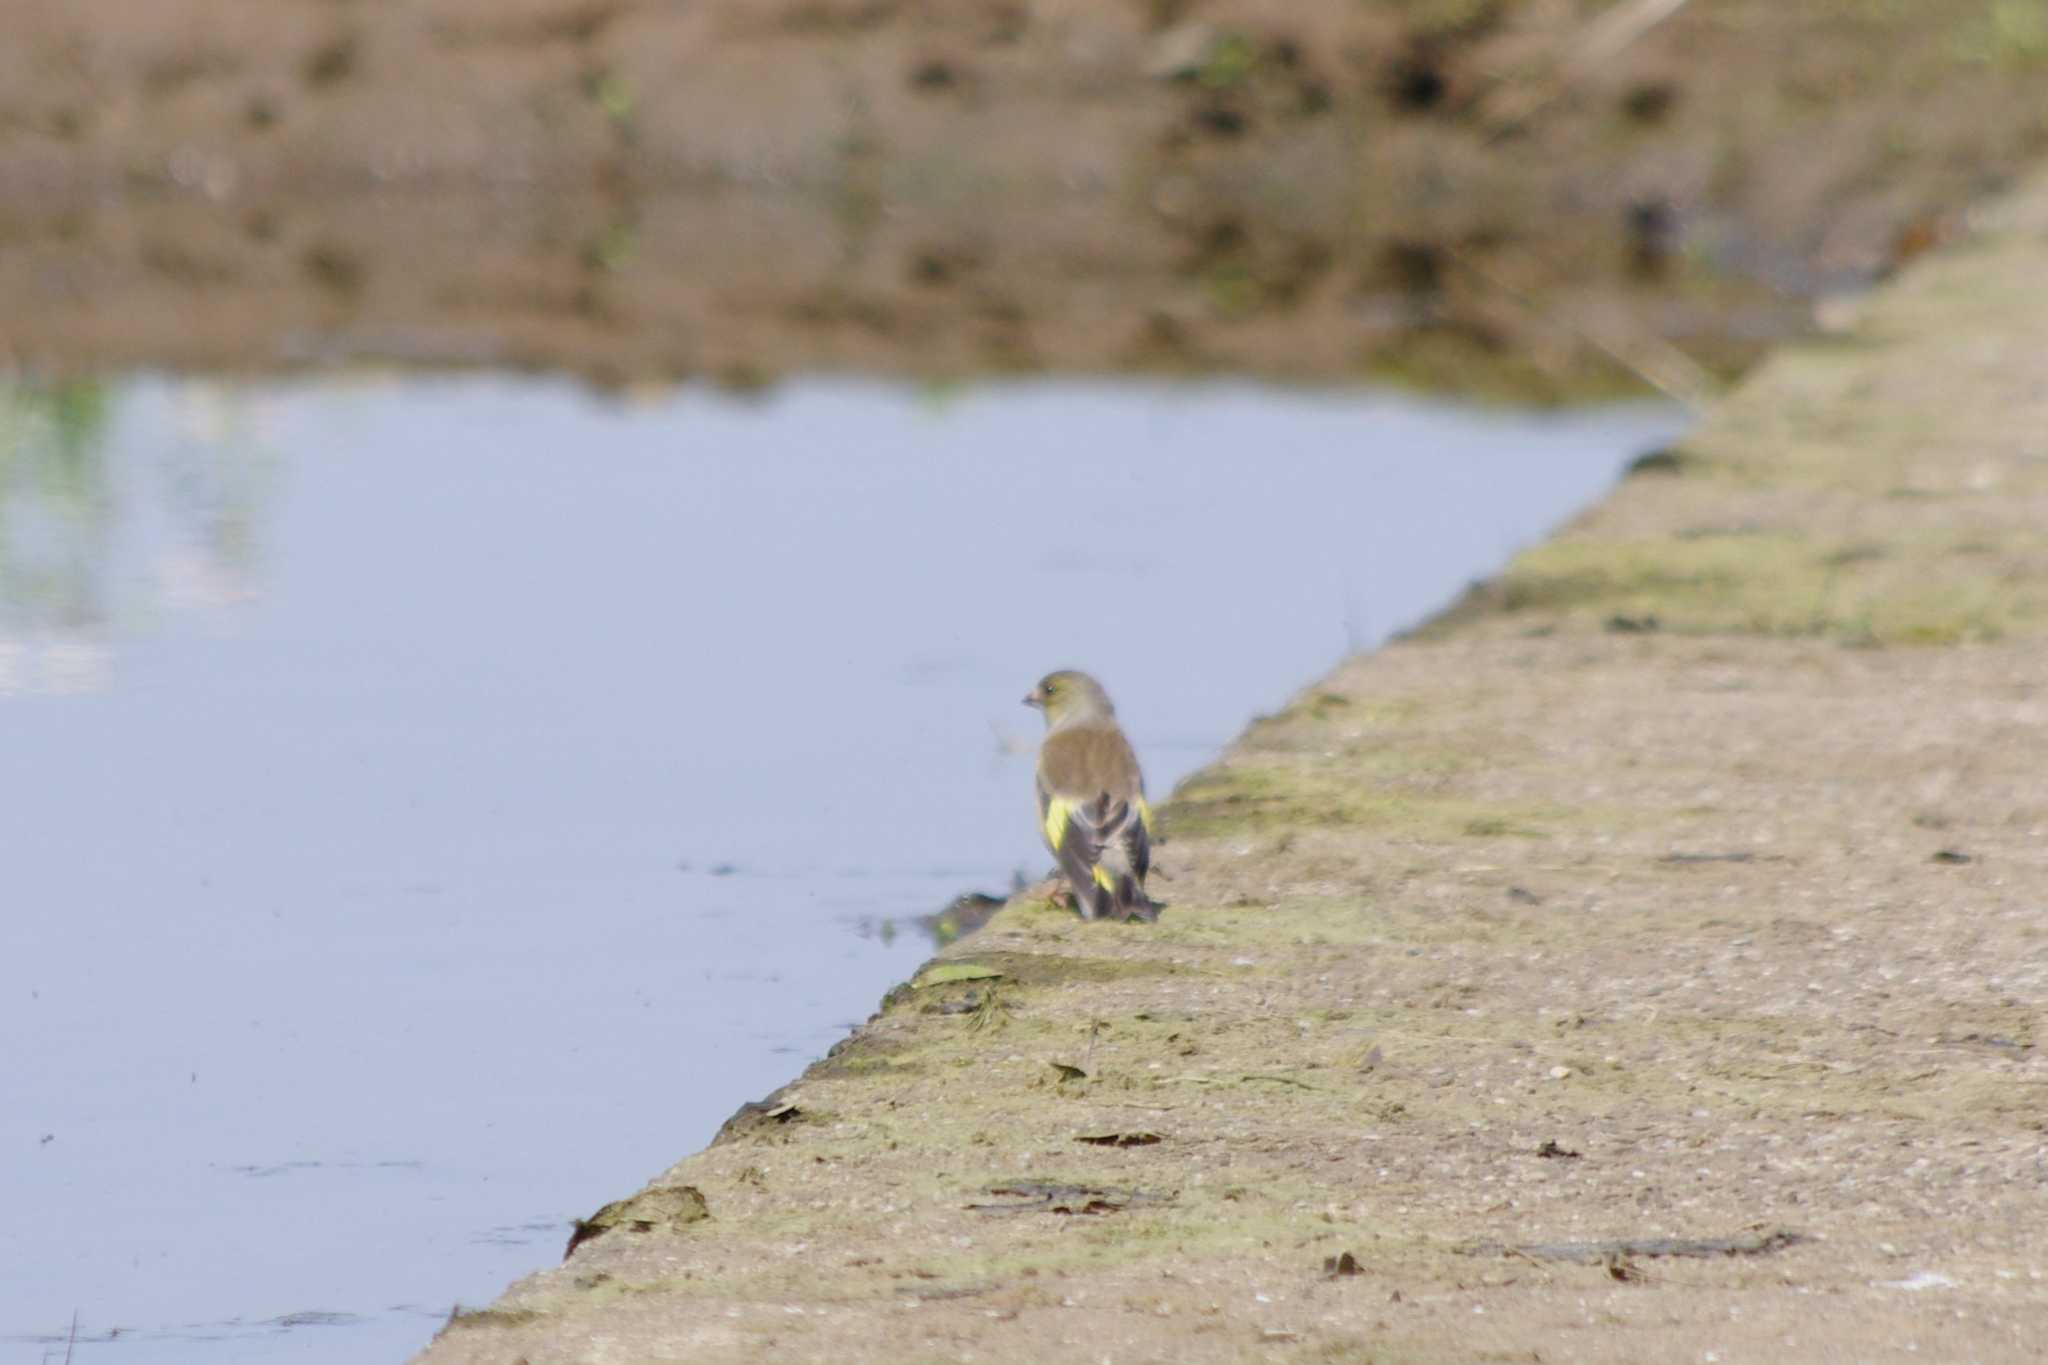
(54, 512)
(434, 805)
(67, 583)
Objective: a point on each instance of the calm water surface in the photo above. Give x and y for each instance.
(430, 806)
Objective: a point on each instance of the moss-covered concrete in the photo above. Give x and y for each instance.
(1688, 880)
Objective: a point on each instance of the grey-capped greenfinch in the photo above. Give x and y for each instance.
(1091, 799)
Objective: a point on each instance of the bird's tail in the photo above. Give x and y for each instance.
(1096, 898)
(1132, 902)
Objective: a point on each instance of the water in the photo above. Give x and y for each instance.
(432, 805)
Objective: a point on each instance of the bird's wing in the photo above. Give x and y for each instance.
(1090, 793)
(1137, 836)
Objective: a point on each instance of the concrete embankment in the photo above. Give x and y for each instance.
(1685, 890)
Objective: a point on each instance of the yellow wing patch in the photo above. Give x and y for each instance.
(1103, 879)
(1056, 813)
(1145, 814)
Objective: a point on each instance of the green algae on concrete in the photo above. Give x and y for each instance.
(1685, 881)
(1229, 799)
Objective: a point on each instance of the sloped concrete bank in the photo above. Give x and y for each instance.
(1684, 890)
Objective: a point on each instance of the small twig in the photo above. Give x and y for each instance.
(1281, 1080)
(1599, 41)
(1616, 29)
(1040, 1197)
(1605, 1253)
(965, 1291)
(1649, 357)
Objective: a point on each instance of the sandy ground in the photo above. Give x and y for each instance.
(1687, 882)
(1482, 194)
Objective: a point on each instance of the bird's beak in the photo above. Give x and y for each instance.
(1033, 699)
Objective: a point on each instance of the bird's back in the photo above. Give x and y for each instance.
(1082, 762)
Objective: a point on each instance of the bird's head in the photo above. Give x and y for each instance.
(1069, 696)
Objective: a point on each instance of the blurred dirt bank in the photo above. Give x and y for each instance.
(1522, 196)
(1683, 890)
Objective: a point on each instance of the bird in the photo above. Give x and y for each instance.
(1091, 799)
